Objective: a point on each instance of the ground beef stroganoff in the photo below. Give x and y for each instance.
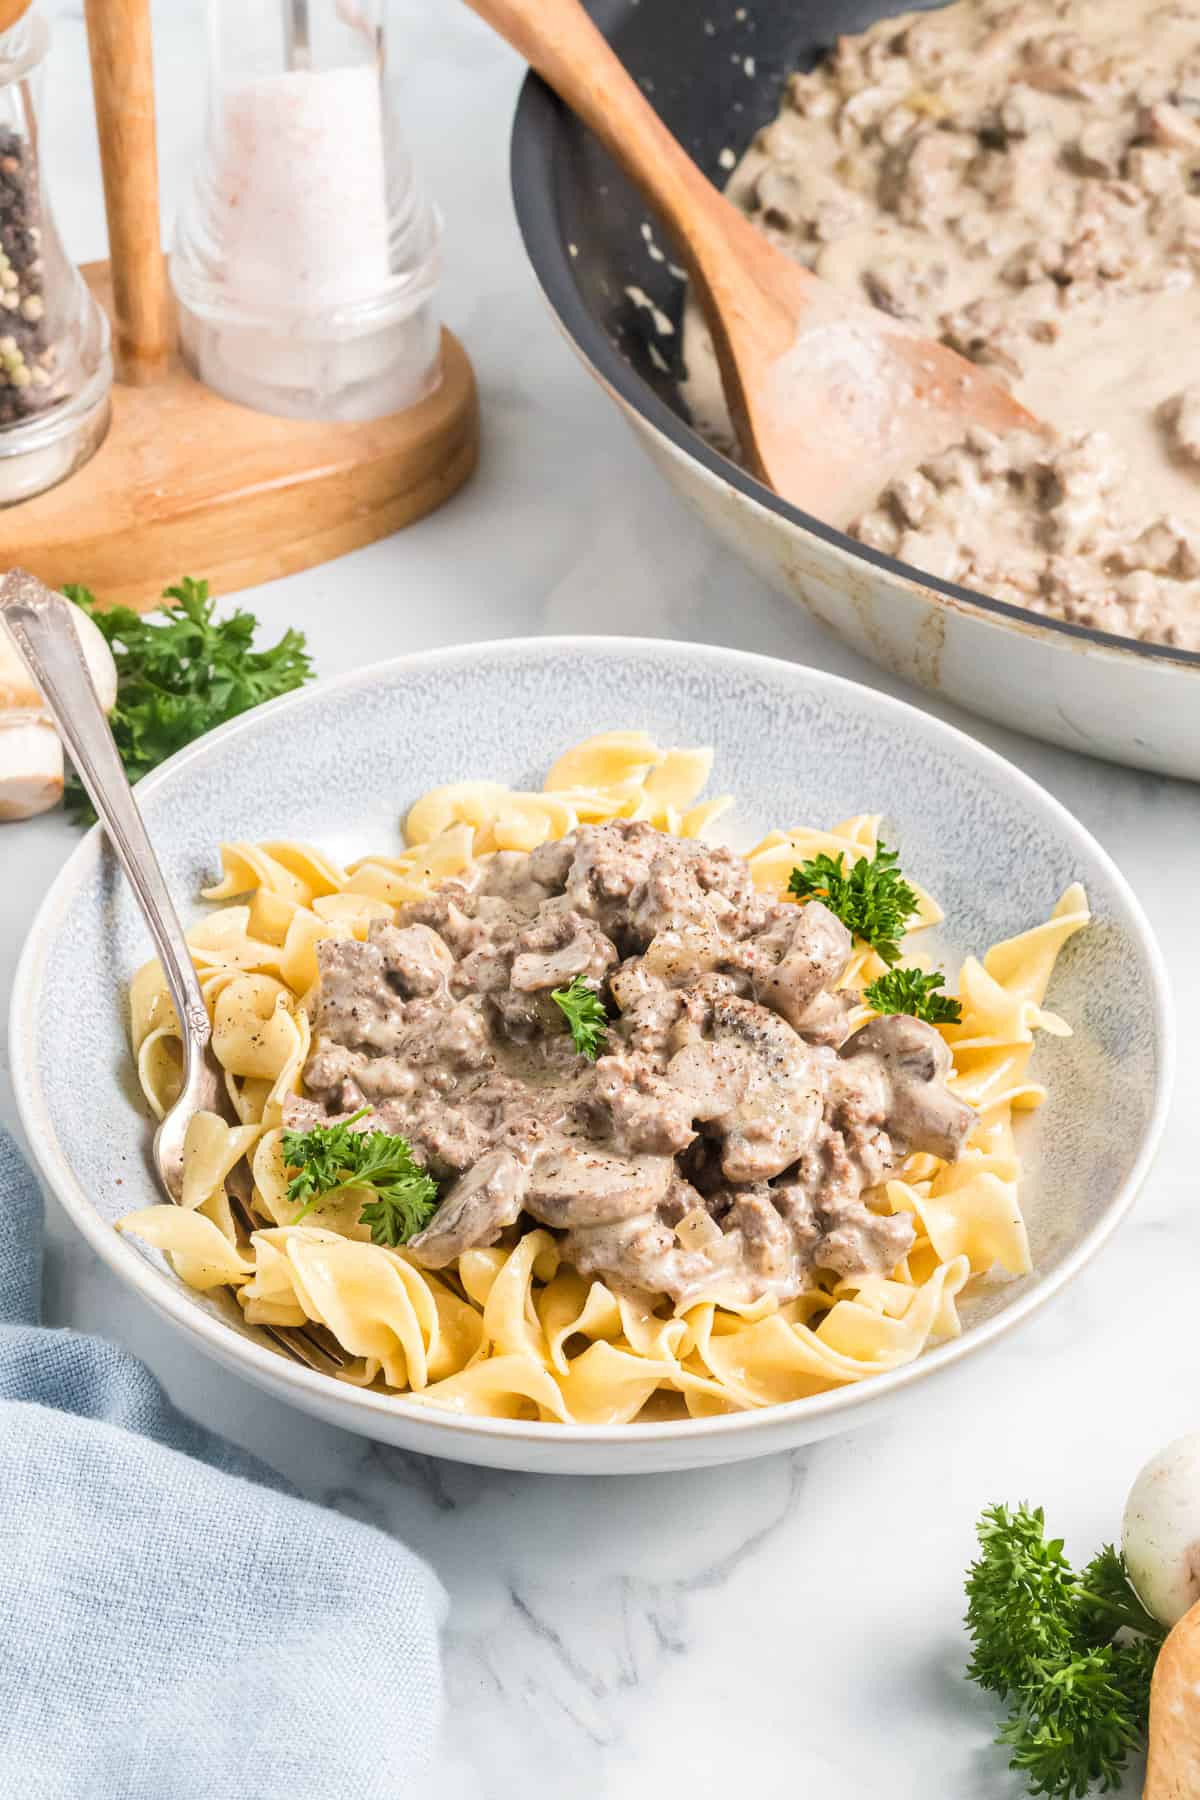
(1020, 178)
(721, 1144)
(655, 1127)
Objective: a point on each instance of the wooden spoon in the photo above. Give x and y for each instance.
(830, 398)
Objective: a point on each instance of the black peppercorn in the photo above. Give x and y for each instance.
(27, 356)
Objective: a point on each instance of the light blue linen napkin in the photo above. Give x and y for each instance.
(175, 1623)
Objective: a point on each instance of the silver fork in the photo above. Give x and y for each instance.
(41, 623)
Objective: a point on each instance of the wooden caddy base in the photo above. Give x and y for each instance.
(187, 483)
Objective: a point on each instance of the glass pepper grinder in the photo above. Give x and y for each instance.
(306, 262)
(55, 369)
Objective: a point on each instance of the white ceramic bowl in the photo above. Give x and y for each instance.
(338, 764)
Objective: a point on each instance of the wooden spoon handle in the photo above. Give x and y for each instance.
(123, 85)
(560, 42)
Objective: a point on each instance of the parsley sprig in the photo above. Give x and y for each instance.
(912, 991)
(1046, 1641)
(328, 1158)
(181, 672)
(586, 1018)
(873, 901)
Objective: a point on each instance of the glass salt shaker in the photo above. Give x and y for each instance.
(55, 367)
(306, 262)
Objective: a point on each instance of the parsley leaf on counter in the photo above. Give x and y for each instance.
(328, 1158)
(1045, 1642)
(874, 902)
(180, 672)
(584, 1012)
(910, 991)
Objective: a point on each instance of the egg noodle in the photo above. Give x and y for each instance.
(513, 1331)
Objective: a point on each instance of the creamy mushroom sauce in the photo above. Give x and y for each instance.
(723, 1142)
(1021, 180)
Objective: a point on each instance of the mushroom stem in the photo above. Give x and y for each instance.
(31, 758)
(31, 768)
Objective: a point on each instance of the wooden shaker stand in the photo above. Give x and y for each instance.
(187, 482)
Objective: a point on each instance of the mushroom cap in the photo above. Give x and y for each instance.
(31, 768)
(1161, 1531)
(19, 692)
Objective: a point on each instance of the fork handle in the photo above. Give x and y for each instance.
(41, 623)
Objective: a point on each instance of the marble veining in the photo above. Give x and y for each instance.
(777, 1624)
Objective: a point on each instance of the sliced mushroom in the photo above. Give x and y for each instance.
(579, 1186)
(713, 1076)
(810, 949)
(913, 1062)
(553, 952)
(757, 1083)
(476, 1210)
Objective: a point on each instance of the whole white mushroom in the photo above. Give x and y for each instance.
(1160, 1534)
(31, 758)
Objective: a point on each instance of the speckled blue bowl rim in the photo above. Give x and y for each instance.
(170, 1298)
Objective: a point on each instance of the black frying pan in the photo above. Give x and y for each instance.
(567, 190)
(569, 193)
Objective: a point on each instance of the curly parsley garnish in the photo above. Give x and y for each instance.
(180, 673)
(1046, 1641)
(328, 1158)
(584, 1012)
(910, 991)
(873, 901)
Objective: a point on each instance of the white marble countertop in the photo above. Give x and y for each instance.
(789, 1620)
